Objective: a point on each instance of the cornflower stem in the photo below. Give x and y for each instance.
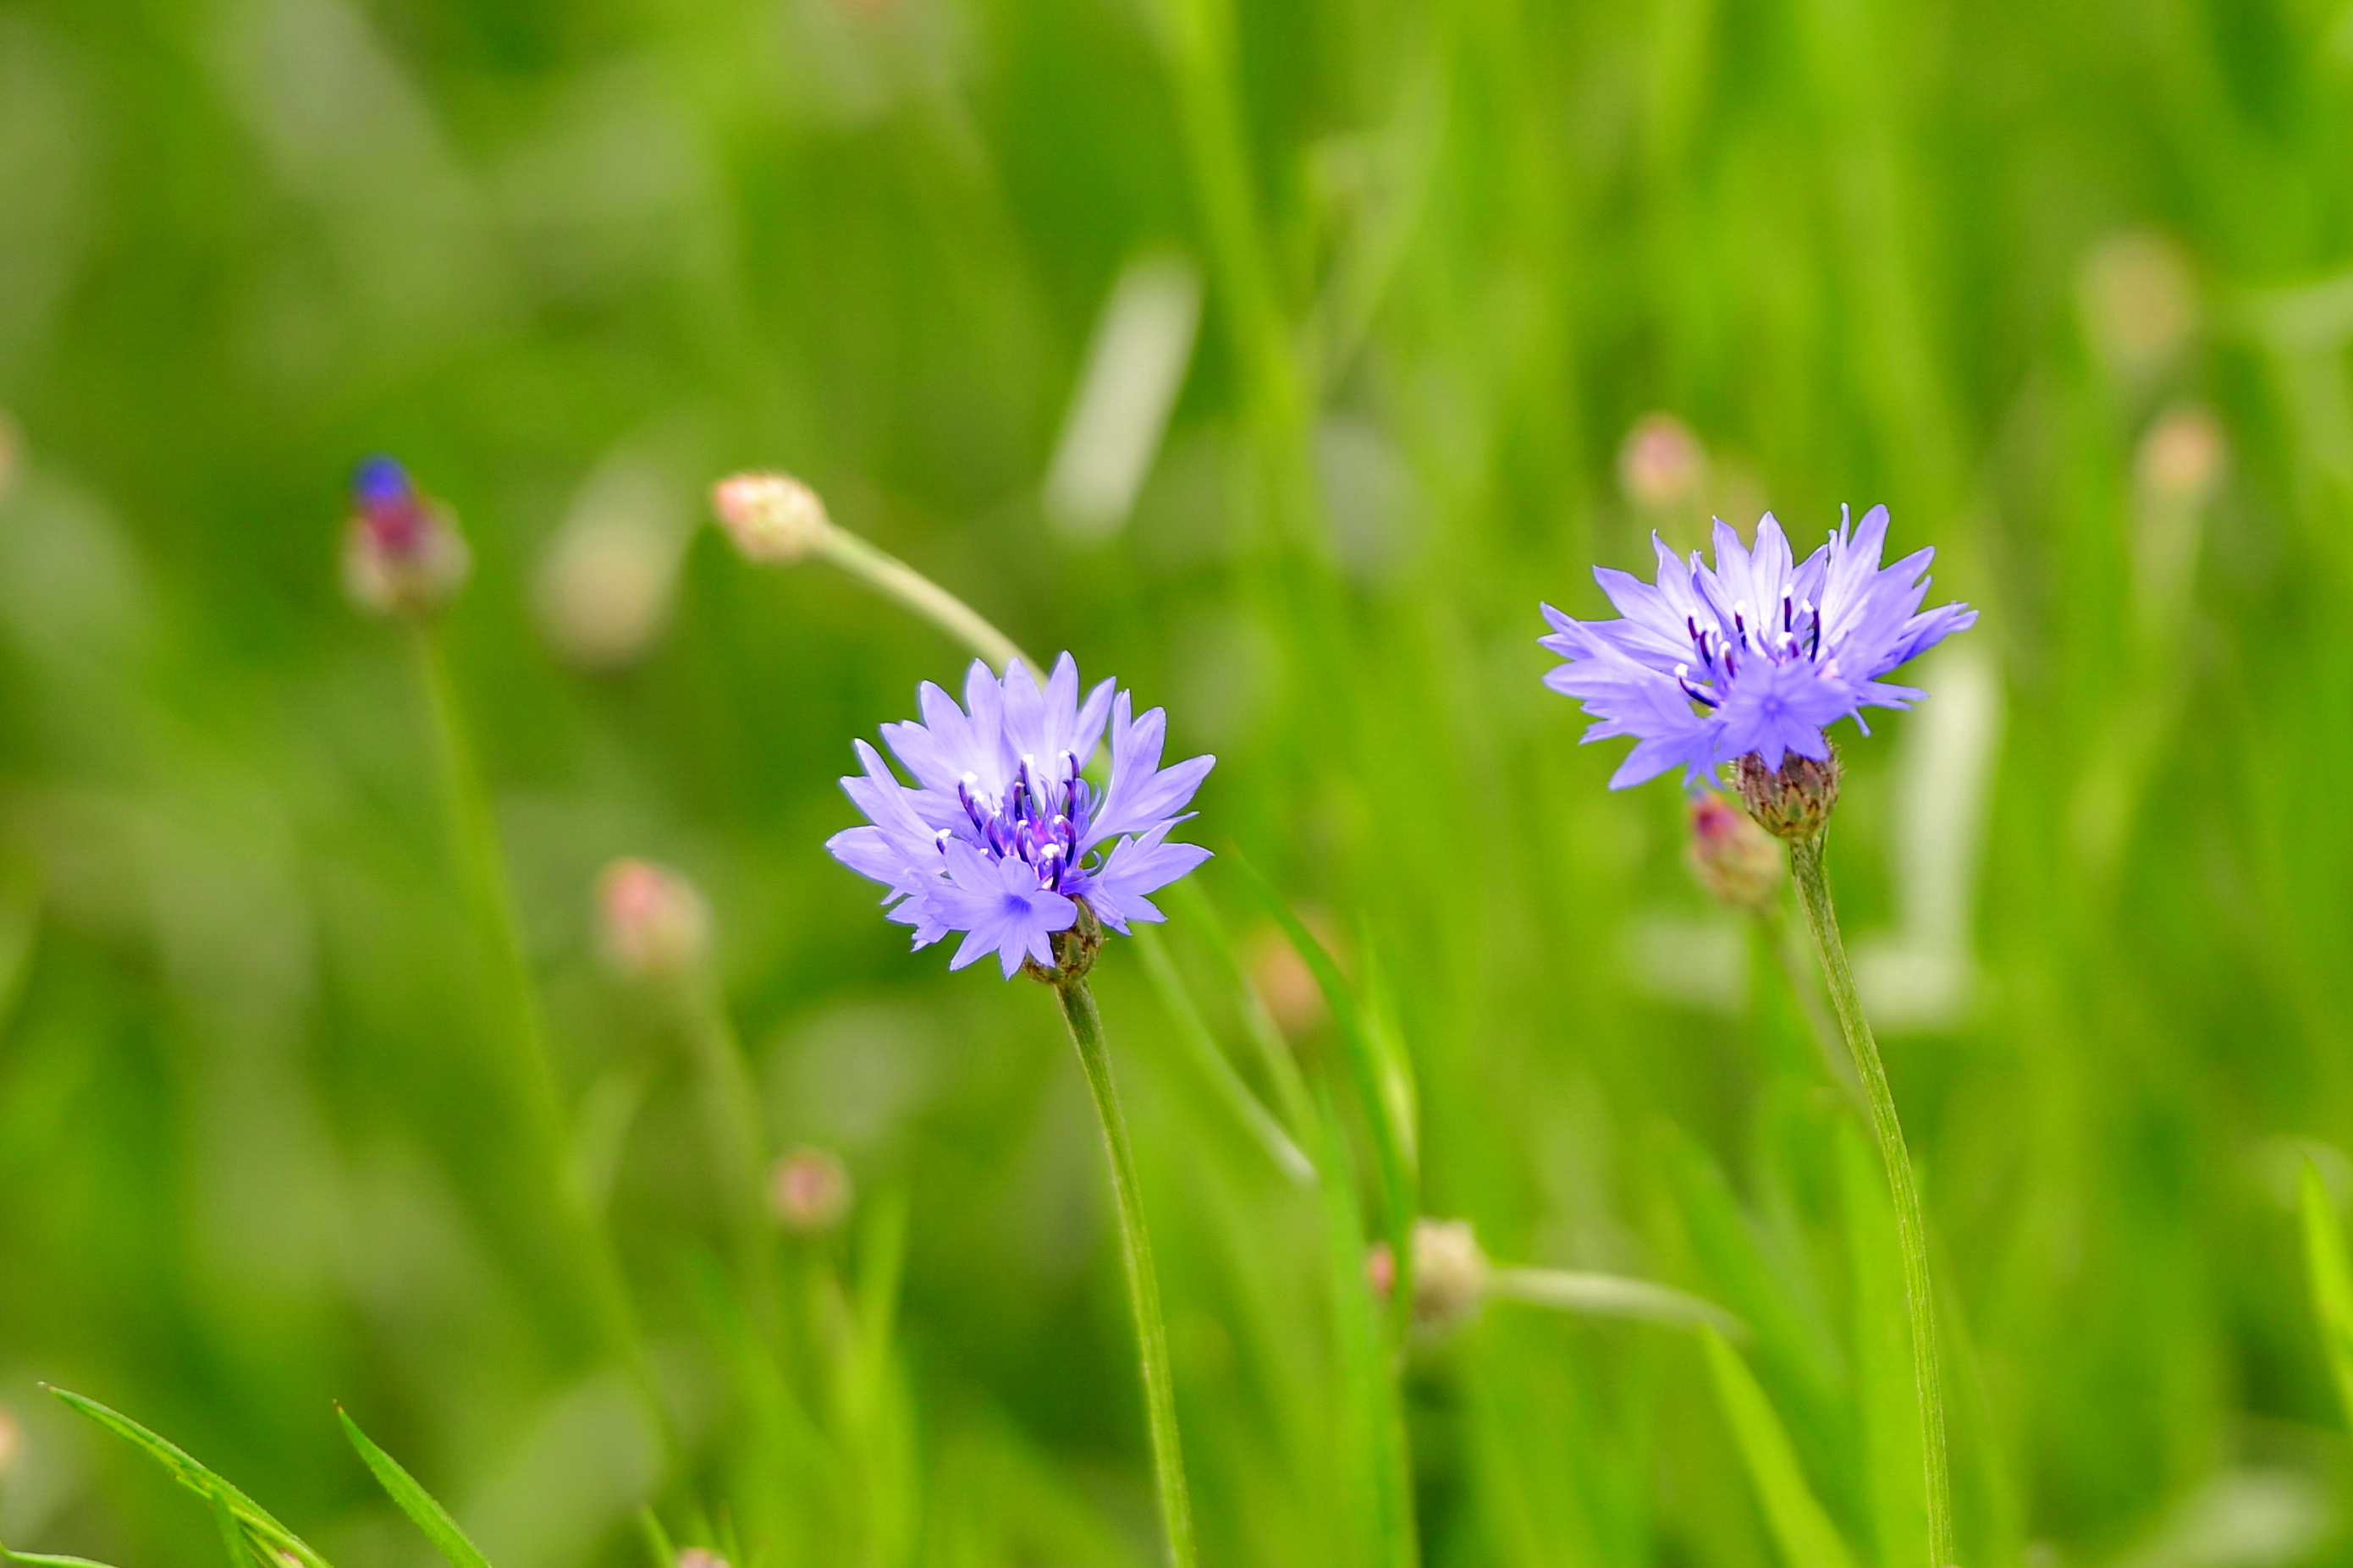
(894, 579)
(530, 1070)
(1911, 1234)
(1085, 1021)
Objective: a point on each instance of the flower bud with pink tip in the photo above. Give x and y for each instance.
(653, 922)
(810, 1191)
(773, 519)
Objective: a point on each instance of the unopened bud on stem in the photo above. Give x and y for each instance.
(653, 922)
(773, 519)
(810, 1191)
(1736, 860)
(1794, 800)
(1660, 464)
(1449, 1273)
(701, 1557)
(403, 555)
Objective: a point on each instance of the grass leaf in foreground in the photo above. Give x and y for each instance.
(1800, 1529)
(197, 1478)
(1886, 1399)
(44, 1560)
(427, 1515)
(232, 1534)
(2331, 1280)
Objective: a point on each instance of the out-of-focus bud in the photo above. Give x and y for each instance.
(2180, 462)
(653, 922)
(1449, 1273)
(603, 591)
(700, 1557)
(12, 1441)
(1736, 860)
(402, 553)
(2139, 303)
(1660, 465)
(773, 519)
(809, 1189)
(1792, 801)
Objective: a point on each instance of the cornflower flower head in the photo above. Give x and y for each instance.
(401, 552)
(1003, 839)
(1752, 659)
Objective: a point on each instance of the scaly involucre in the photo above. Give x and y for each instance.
(1760, 654)
(1003, 837)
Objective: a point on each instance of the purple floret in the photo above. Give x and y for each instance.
(1003, 837)
(1759, 654)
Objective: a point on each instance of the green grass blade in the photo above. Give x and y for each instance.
(44, 1560)
(659, 1546)
(1177, 997)
(427, 1515)
(1371, 1077)
(1886, 1398)
(2330, 1279)
(1373, 1421)
(1274, 1054)
(240, 1551)
(195, 1476)
(1800, 1528)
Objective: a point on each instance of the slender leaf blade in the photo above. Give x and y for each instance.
(2330, 1278)
(1800, 1528)
(1237, 1094)
(423, 1511)
(232, 1534)
(48, 1560)
(1886, 1397)
(194, 1475)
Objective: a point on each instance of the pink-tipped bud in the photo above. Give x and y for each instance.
(773, 519)
(809, 1189)
(12, 1441)
(653, 922)
(403, 555)
(1660, 464)
(1736, 860)
(1449, 1273)
(700, 1557)
(1793, 801)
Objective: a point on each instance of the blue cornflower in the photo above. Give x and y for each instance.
(1004, 838)
(1757, 657)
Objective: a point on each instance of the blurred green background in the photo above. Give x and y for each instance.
(1441, 304)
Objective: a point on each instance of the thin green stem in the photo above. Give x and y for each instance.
(1912, 1233)
(894, 579)
(1079, 1011)
(523, 1038)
